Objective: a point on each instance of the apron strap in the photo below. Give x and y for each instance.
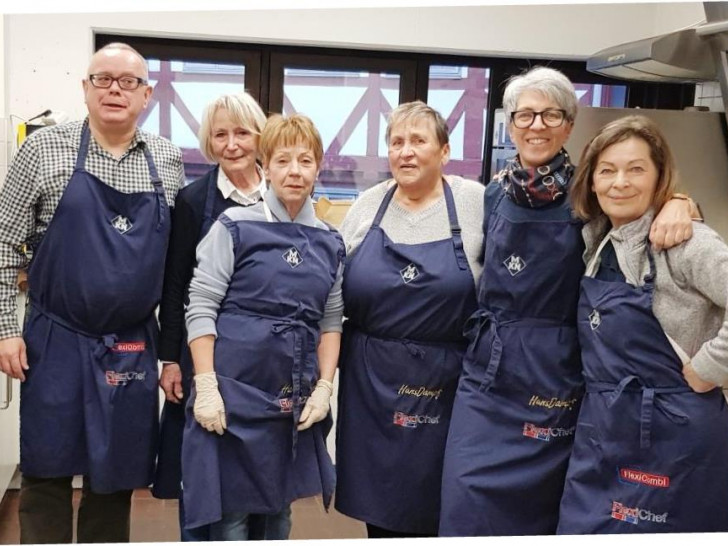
(158, 186)
(455, 231)
(647, 404)
(105, 341)
(473, 330)
(207, 219)
(83, 147)
(301, 331)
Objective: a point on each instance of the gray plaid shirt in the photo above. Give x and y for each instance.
(36, 181)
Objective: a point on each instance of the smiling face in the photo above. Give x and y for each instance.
(625, 180)
(114, 108)
(292, 171)
(416, 157)
(538, 144)
(234, 147)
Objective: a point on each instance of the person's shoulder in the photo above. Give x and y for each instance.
(197, 189)
(253, 213)
(705, 240)
(158, 143)
(68, 133)
(466, 187)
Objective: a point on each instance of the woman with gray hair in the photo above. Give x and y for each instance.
(518, 397)
(413, 259)
(229, 132)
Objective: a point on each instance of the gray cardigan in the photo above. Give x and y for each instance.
(691, 287)
(215, 264)
(431, 224)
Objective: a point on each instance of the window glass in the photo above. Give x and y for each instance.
(460, 94)
(349, 110)
(182, 89)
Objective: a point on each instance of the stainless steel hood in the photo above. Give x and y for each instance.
(678, 57)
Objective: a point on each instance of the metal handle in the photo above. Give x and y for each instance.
(8, 392)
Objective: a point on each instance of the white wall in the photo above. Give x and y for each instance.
(46, 54)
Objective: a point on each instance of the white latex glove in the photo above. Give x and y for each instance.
(209, 409)
(317, 405)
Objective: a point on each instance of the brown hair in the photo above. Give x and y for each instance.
(584, 200)
(289, 131)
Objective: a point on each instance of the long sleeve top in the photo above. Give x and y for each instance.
(691, 287)
(215, 267)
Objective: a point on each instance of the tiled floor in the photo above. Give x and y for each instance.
(155, 520)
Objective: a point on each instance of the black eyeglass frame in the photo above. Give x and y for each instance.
(139, 81)
(539, 114)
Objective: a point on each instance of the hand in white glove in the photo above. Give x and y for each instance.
(209, 409)
(317, 405)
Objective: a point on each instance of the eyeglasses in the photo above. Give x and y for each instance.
(127, 83)
(551, 117)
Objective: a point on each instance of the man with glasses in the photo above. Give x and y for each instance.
(90, 200)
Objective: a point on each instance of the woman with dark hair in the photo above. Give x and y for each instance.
(651, 439)
(518, 396)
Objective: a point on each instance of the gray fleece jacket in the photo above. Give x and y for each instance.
(691, 288)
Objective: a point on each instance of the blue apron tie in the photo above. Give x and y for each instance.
(473, 330)
(301, 332)
(647, 405)
(105, 342)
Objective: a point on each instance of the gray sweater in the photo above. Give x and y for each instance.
(691, 288)
(215, 266)
(431, 224)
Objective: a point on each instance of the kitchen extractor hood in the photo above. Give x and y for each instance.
(678, 57)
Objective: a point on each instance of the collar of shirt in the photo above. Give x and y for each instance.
(306, 216)
(229, 191)
(95, 147)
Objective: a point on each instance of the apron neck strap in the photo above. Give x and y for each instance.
(83, 146)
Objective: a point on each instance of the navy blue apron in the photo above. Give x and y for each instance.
(168, 476)
(650, 455)
(90, 404)
(266, 364)
(518, 397)
(401, 357)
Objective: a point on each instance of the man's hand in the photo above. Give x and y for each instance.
(673, 225)
(171, 382)
(13, 359)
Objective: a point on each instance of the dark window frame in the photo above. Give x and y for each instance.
(266, 83)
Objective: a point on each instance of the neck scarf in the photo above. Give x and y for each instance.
(536, 187)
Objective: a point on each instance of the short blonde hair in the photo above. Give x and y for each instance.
(584, 200)
(242, 109)
(289, 131)
(416, 110)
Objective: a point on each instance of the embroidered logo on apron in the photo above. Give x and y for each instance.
(119, 379)
(292, 257)
(640, 477)
(413, 421)
(635, 515)
(595, 319)
(546, 433)
(129, 347)
(409, 273)
(514, 264)
(121, 224)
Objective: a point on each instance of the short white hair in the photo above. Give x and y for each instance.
(547, 81)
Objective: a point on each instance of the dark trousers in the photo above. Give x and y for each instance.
(46, 513)
(379, 532)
